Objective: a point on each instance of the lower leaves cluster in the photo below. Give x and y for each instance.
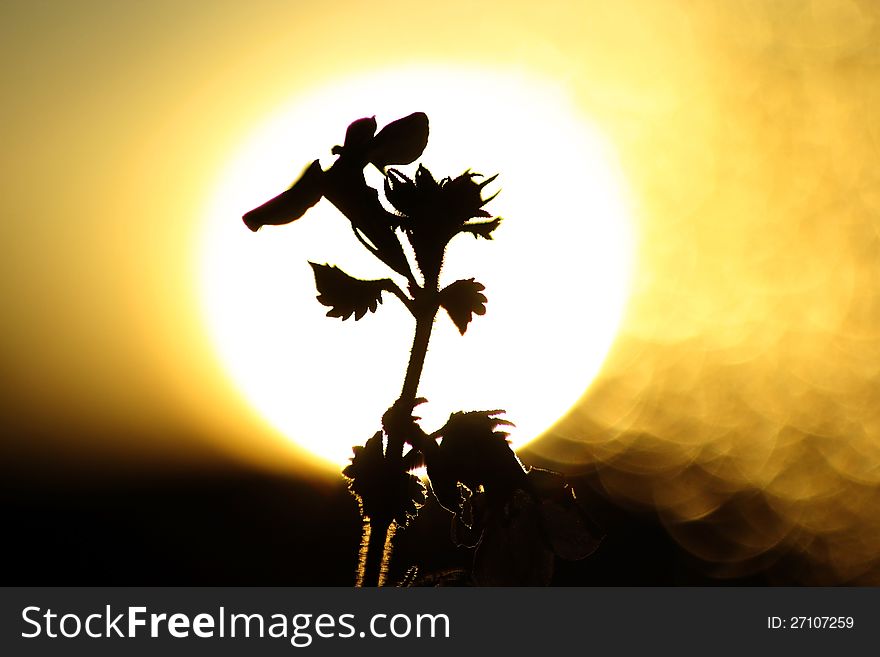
(517, 519)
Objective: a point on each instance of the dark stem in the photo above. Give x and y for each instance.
(375, 553)
(376, 544)
(425, 311)
(422, 337)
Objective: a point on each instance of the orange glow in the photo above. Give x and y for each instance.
(325, 385)
(742, 388)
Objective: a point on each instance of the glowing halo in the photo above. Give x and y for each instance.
(556, 274)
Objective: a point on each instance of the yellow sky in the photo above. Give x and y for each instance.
(749, 358)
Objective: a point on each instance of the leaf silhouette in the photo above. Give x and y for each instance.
(475, 453)
(512, 551)
(386, 492)
(346, 295)
(468, 525)
(482, 229)
(569, 529)
(462, 299)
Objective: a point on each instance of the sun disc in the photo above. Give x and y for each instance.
(556, 274)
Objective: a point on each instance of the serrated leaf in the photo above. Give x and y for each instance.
(462, 299)
(474, 441)
(346, 295)
(482, 229)
(473, 452)
(386, 492)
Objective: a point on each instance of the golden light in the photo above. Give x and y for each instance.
(556, 274)
(741, 391)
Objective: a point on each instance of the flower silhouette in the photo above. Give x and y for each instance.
(344, 185)
(432, 212)
(518, 519)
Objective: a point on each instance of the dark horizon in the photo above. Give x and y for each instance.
(724, 302)
(236, 526)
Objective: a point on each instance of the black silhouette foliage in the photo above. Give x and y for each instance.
(475, 454)
(292, 204)
(518, 519)
(462, 299)
(399, 142)
(445, 205)
(346, 295)
(358, 138)
(432, 212)
(343, 184)
(519, 534)
(511, 550)
(386, 492)
(482, 229)
(570, 530)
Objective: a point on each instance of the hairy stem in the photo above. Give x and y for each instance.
(425, 313)
(422, 337)
(376, 542)
(375, 553)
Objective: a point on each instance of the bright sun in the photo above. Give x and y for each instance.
(556, 274)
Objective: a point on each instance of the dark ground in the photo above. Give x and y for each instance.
(241, 527)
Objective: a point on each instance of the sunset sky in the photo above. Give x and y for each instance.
(742, 388)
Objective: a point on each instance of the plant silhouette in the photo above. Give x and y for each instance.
(516, 518)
